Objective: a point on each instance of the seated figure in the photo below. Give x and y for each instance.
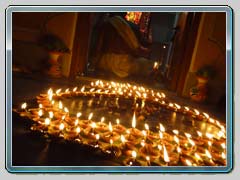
(119, 51)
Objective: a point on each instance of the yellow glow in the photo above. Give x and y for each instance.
(223, 155)
(102, 119)
(123, 139)
(191, 142)
(93, 125)
(177, 106)
(50, 114)
(66, 110)
(78, 129)
(199, 133)
(90, 116)
(163, 95)
(196, 111)
(146, 126)
(47, 121)
(208, 154)
(67, 90)
(175, 131)
(82, 89)
(170, 104)
(209, 136)
(197, 156)
(206, 115)
(165, 154)
(24, 106)
(160, 134)
(179, 149)
(176, 139)
(76, 122)
(162, 128)
(60, 105)
(147, 158)
(74, 89)
(142, 143)
(188, 162)
(118, 121)
(186, 108)
(188, 135)
(223, 145)
(97, 136)
(111, 141)
(40, 106)
(110, 127)
(40, 113)
(61, 127)
(160, 147)
(79, 114)
(134, 120)
(58, 91)
(134, 154)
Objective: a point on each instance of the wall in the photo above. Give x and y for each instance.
(210, 49)
(28, 27)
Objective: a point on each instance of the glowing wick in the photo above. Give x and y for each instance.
(82, 89)
(123, 139)
(40, 106)
(176, 139)
(97, 136)
(118, 121)
(208, 154)
(206, 115)
(188, 135)
(188, 162)
(134, 154)
(66, 110)
(223, 155)
(196, 111)
(175, 131)
(102, 119)
(76, 122)
(199, 133)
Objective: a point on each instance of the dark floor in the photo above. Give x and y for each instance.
(33, 149)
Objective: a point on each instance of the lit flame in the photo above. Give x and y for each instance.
(118, 121)
(191, 142)
(76, 122)
(79, 114)
(188, 162)
(110, 127)
(208, 154)
(197, 156)
(176, 139)
(159, 147)
(155, 66)
(24, 106)
(175, 131)
(97, 136)
(74, 89)
(163, 95)
(179, 149)
(134, 120)
(111, 141)
(47, 121)
(209, 143)
(209, 136)
(90, 116)
(160, 134)
(147, 158)
(40, 106)
(142, 143)
(58, 91)
(162, 129)
(223, 145)
(40, 113)
(223, 155)
(60, 105)
(146, 126)
(50, 114)
(61, 127)
(170, 104)
(66, 110)
(211, 120)
(221, 134)
(82, 89)
(187, 108)
(177, 106)
(188, 135)
(165, 154)
(78, 129)
(93, 125)
(67, 90)
(134, 154)
(199, 133)
(196, 111)
(206, 115)
(102, 119)
(123, 139)
(144, 133)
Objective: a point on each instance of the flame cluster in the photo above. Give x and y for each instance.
(135, 146)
